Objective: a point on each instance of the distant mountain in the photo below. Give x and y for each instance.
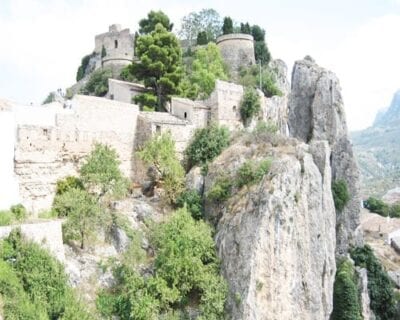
(378, 151)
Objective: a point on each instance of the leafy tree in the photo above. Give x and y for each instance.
(160, 65)
(250, 104)
(340, 194)
(258, 33)
(250, 77)
(68, 183)
(82, 68)
(193, 202)
(202, 38)
(153, 18)
(245, 28)
(206, 144)
(207, 67)
(261, 51)
(377, 206)
(346, 301)
(227, 27)
(159, 152)
(83, 213)
(380, 289)
(206, 20)
(101, 174)
(98, 83)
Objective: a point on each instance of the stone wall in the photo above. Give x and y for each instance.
(47, 234)
(193, 111)
(45, 154)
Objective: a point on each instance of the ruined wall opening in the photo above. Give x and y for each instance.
(158, 129)
(185, 115)
(116, 44)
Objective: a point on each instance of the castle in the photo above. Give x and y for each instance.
(44, 144)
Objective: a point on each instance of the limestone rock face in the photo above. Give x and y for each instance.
(363, 289)
(276, 239)
(316, 113)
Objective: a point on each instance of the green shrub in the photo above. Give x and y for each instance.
(68, 183)
(98, 83)
(18, 211)
(82, 68)
(380, 289)
(202, 38)
(6, 218)
(377, 206)
(251, 172)
(185, 266)
(159, 152)
(340, 194)
(34, 284)
(250, 77)
(220, 190)
(263, 127)
(193, 202)
(206, 145)
(346, 301)
(250, 104)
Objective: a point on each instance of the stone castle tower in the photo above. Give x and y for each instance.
(118, 45)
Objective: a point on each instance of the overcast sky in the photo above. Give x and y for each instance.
(43, 41)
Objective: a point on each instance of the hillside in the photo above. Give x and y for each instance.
(377, 150)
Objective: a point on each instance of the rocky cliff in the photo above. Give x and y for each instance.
(278, 239)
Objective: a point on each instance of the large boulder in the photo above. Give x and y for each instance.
(316, 113)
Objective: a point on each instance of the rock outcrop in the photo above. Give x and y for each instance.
(276, 239)
(316, 113)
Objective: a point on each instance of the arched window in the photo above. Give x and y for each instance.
(116, 44)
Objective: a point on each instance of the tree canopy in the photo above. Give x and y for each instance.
(148, 24)
(227, 27)
(159, 66)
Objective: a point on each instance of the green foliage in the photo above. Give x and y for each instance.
(202, 38)
(377, 206)
(245, 28)
(98, 83)
(250, 105)
(258, 33)
(82, 68)
(160, 63)
(153, 18)
(193, 202)
(147, 101)
(263, 127)
(185, 266)
(250, 77)
(206, 68)
(103, 51)
(346, 301)
(340, 194)
(33, 283)
(68, 183)
(17, 213)
(51, 97)
(126, 75)
(261, 51)
(227, 26)
(251, 172)
(83, 214)
(206, 20)
(220, 190)
(159, 152)
(380, 289)
(101, 174)
(206, 144)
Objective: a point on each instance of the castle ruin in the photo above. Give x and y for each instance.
(48, 143)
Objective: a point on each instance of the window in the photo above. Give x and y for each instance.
(185, 115)
(158, 129)
(116, 44)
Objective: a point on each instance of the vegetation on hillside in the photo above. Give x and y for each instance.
(186, 271)
(380, 288)
(33, 284)
(346, 299)
(250, 105)
(340, 194)
(84, 64)
(15, 214)
(97, 84)
(380, 207)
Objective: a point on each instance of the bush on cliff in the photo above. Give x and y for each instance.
(97, 84)
(346, 301)
(340, 194)
(159, 153)
(186, 270)
(377, 206)
(33, 284)
(250, 105)
(252, 172)
(380, 289)
(206, 145)
(193, 202)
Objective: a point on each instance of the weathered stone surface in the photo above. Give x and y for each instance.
(195, 180)
(363, 290)
(316, 113)
(276, 239)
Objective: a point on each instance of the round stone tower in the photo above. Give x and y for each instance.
(115, 46)
(237, 49)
